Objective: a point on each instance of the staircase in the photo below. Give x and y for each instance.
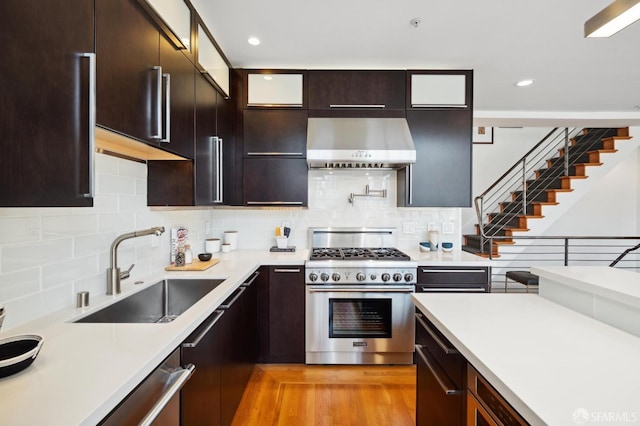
(549, 168)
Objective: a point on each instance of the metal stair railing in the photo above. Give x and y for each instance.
(534, 251)
(516, 177)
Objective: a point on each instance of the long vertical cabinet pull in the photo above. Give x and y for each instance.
(410, 179)
(218, 144)
(158, 103)
(167, 108)
(92, 123)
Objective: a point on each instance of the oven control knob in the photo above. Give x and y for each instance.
(324, 277)
(336, 276)
(360, 276)
(386, 277)
(397, 277)
(408, 277)
(313, 277)
(373, 277)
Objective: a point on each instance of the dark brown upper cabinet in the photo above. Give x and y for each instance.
(275, 133)
(275, 181)
(214, 145)
(145, 84)
(46, 113)
(341, 91)
(440, 89)
(178, 111)
(175, 20)
(129, 77)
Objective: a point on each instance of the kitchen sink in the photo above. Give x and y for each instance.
(162, 302)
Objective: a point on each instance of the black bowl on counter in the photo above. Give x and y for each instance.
(18, 352)
(205, 256)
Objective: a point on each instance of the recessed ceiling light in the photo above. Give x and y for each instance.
(268, 77)
(524, 83)
(254, 41)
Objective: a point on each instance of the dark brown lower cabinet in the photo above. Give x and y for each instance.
(440, 381)
(205, 348)
(281, 315)
(224, 351)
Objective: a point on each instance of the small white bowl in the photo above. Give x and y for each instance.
(424, 247)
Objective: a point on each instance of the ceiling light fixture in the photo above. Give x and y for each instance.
(524, 83)
(613, 18)
(254, 41)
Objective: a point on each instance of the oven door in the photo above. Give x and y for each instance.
(359, 325)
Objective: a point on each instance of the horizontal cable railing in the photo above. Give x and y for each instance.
(621, 252)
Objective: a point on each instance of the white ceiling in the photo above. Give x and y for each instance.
(576, 78)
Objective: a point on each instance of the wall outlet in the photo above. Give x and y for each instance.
(207, 228)
(408, 227)
(448, 228)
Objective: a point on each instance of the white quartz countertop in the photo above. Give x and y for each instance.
(616, 284)
(441, 258)
(84, 370)
(553, 365)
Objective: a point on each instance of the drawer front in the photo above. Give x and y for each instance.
(434, 275)
(444, 353)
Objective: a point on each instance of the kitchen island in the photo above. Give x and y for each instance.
(553, 365)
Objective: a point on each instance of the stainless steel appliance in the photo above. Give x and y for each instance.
(359, 143)
(358, 305)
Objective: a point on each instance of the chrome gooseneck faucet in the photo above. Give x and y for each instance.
(113, 273)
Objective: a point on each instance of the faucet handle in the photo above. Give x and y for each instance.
(124, 275)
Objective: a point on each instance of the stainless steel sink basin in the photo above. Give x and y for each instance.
(160, 303)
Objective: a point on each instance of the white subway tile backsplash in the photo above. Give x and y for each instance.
(38, 253)
(19, 229)
(19, 284)
(114, 184)
(47, 255)
(61, 226)
(69, 271)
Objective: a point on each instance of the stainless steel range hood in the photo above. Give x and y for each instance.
(359, 143)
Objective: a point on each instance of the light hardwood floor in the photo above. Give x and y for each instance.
(310, 395)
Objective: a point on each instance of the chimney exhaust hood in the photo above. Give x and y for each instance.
(359, 143)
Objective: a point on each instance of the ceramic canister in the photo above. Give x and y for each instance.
(231, 238)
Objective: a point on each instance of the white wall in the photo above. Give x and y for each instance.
(47, 255)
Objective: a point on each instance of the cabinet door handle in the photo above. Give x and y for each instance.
(167, 108)
(447, 349)
(209, 326)
(283, 270)
(379, 106)
(423, 289)
(453, 271)
(410, 179)
(271, 203)
(182, 376)
(449, 390)
(158, 103)
(251, 280)
(438, 105)
(230, 304)
(272, 153)
(216, 161)
(92, 123)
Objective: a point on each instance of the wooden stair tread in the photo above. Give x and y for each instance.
(573, 177)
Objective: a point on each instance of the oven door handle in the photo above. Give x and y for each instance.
(369, 289)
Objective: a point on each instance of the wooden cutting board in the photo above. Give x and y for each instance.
(197, 265)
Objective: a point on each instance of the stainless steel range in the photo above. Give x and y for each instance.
(358, 305)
